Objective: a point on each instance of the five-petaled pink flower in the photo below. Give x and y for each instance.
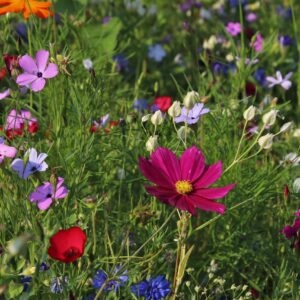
(36, 71)
(184, 182)
(233, 28)
(6, 151)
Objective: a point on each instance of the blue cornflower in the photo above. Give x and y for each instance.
(100, 278)
(156, 52)
(26, 280)
(44, 267)
(140, 104)
(222, 69)
(235, 3)
(283, 12)
(21, 30)
(260, 76)
(152, 289)
(285, 40)
(121, 63)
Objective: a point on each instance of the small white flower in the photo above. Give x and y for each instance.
(296, 133)
(88, 64)
(291, 159)
(296, 185)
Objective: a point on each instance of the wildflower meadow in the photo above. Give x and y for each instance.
(150, 149)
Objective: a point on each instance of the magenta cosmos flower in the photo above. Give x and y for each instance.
(184, 182)
(36, 71)
(45, 194)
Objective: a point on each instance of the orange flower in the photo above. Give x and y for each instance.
(27, 7)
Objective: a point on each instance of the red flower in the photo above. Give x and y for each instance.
(286, 191)
(11, 62)
(163, 103)
(2, 73)
(250, 89)
(67, 245)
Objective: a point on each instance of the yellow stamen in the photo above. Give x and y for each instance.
(183, 187)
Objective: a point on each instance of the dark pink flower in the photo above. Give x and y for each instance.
(36, 71)
(291, 231)
(258, 43)
(233, 28)
(184, 182)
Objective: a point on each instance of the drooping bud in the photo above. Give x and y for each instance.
(249, 113)
(286, 127)
(266, 141)
(174, 110)
(157, 118)
(270, 117)
(146, 118)
(190, 99)
(152, 143)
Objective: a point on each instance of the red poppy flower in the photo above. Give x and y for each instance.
(163, 103)
(67, 245)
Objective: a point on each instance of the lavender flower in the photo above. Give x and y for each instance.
(4, 94)
(45, 194)
(31, 163)
(140, 104)
(192, 116)
(279, 80)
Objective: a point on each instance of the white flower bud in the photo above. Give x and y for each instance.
(190, 99)
(249, 113)
(174, 110)
(146, 118)
(270, 117)
(266, 141)
(296, 185)
(181, 132)
(188, 283)
(297, 133)
(152, 143)
(157, 118)
(286, 127)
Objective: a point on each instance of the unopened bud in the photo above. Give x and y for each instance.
(249, 113)
(266, 141)
(157, 118)
(174, 110)
(146, 118)
(286, 127)
(152, 143)
(190, 99)
(297, 133)
(270, 117)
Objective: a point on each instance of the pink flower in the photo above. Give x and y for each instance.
(183, 182)
(233, 28)
(7, 151)
(258, 44)
(251, 17)
(4, 94)
(45, 194)
(36, 70)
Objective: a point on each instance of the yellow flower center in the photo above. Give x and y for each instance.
(183, 187)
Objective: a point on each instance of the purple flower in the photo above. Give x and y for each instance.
(31, 163)
(45, 194)
(192, 116)
(36, 71)
(279, 80)
(106, 19)
(152, 289)
(233, 28)
(156, 52)
(234, 3)
(140, 104)
(251, 17)
(4, 94)
(285, 40)
(21, 30)
(101, 277)
(260, 76)
(291, 231)
(121, 63)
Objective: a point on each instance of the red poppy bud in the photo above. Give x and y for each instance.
(163, 103)
(67, 245)
(286, 191)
